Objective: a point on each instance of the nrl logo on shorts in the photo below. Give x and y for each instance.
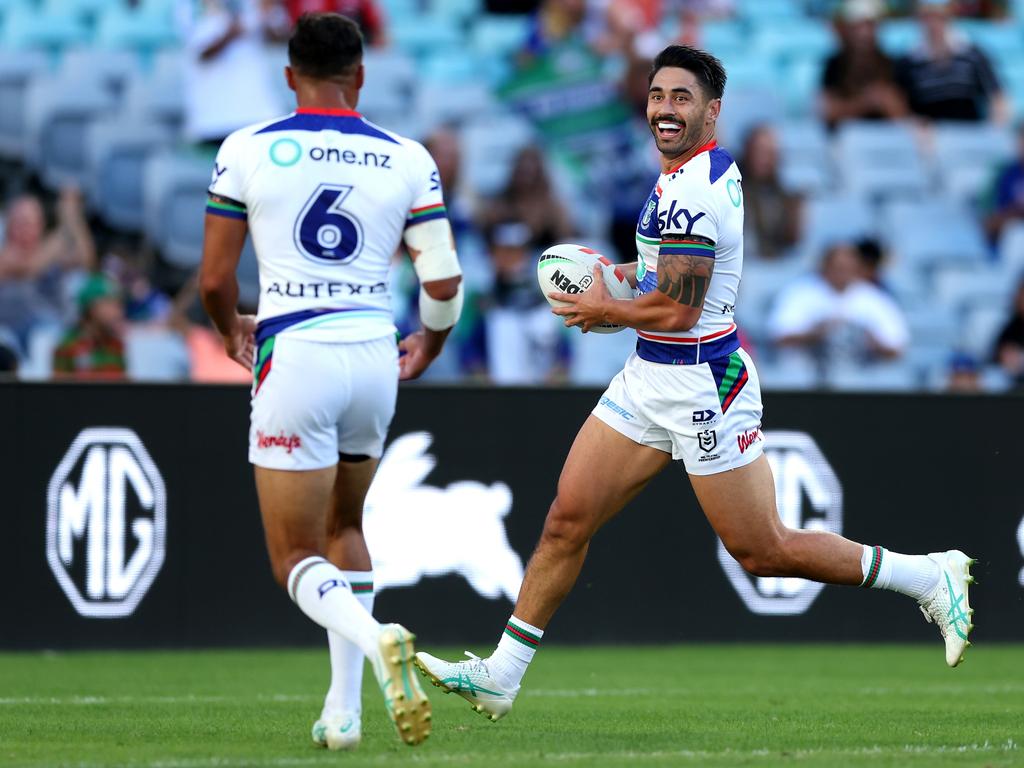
(456, 529)
(707, 440)
(809, 496)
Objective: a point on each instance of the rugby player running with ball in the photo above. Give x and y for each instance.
(690, 393)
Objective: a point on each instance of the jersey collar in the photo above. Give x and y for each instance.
(706, 148)
(326, 111)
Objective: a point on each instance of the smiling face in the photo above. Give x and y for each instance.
(681, 116)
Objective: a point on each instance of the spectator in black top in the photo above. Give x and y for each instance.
(1009, 351)
(1007, 200)
(859, 81)
(948, 77)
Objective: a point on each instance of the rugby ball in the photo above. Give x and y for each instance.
(569, 268)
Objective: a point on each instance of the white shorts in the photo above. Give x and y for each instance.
(312, 400)
(708, 415)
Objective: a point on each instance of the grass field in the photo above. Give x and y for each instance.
(657, 706)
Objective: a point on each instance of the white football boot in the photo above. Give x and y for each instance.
(947, 605)
(404, 698)
(338, 730)
(470, 679)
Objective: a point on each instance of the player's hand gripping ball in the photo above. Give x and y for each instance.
(569, 268)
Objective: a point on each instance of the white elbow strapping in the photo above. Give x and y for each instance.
(435, 254)
(440, 315)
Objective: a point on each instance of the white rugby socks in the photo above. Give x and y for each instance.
(912, 575)
(323, 593)
(518, 644)
(345, 693)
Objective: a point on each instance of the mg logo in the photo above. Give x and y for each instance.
(105, 522)
(808, 496)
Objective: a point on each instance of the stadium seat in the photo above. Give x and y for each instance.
(385, 97)
(880, 159)
(158, 97)
(26, 27)
(974, 286)
(967, 155)
(832, 218)
(156, 354)
(800, 81)
(57, 113)
(17, 70)
(755, 11)
(135, 31)
(999, 40)
(932, 231)
(805, 157)
(742, 109)
(420, 35)
(437, 104)
(116, 152)
(1011, 251)
(87, 11)
(113, 69)
(450, 67)
(787, 372)
(725, 39)
(488, 153)
(174, 198)
(461, 10)
(896, 376)
(933, 325)
(981, 327)
(898, 36)
(779, 39)
(499, 36)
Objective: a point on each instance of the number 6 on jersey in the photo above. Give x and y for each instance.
(324, 231)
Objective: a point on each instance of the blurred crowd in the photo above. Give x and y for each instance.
(105, 305)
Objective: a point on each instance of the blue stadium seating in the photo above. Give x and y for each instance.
(880, 159)
(116, 152)
(57, 113)
(17, 70)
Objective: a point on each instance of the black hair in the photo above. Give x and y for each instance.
(325, 46)
(708, 70)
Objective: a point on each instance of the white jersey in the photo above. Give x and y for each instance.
(327, 196)
(701, 197)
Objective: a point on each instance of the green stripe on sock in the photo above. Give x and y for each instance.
(361, 587)
(876, 567)
(526, 638)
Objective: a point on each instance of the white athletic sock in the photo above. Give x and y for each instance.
(323, 594)
(912, 575)
(345, 693)
(514, 653)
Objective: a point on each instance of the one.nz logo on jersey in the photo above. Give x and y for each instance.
(105, 523)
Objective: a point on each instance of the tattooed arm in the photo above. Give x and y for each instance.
(676, 304)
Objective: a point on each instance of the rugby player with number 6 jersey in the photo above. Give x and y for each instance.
(688, 393)
(328, 197)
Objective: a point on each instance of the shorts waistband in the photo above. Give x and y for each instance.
(687, 354)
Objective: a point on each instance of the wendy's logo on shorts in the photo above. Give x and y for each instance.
(707, 440)
(746, 439)
(288, 442)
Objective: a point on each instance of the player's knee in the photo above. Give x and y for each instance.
(761, 558)
(282, 566)
(566, 525)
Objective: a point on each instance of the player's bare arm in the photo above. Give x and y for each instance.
(431, 246)
(683, 282)
(223, 240)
